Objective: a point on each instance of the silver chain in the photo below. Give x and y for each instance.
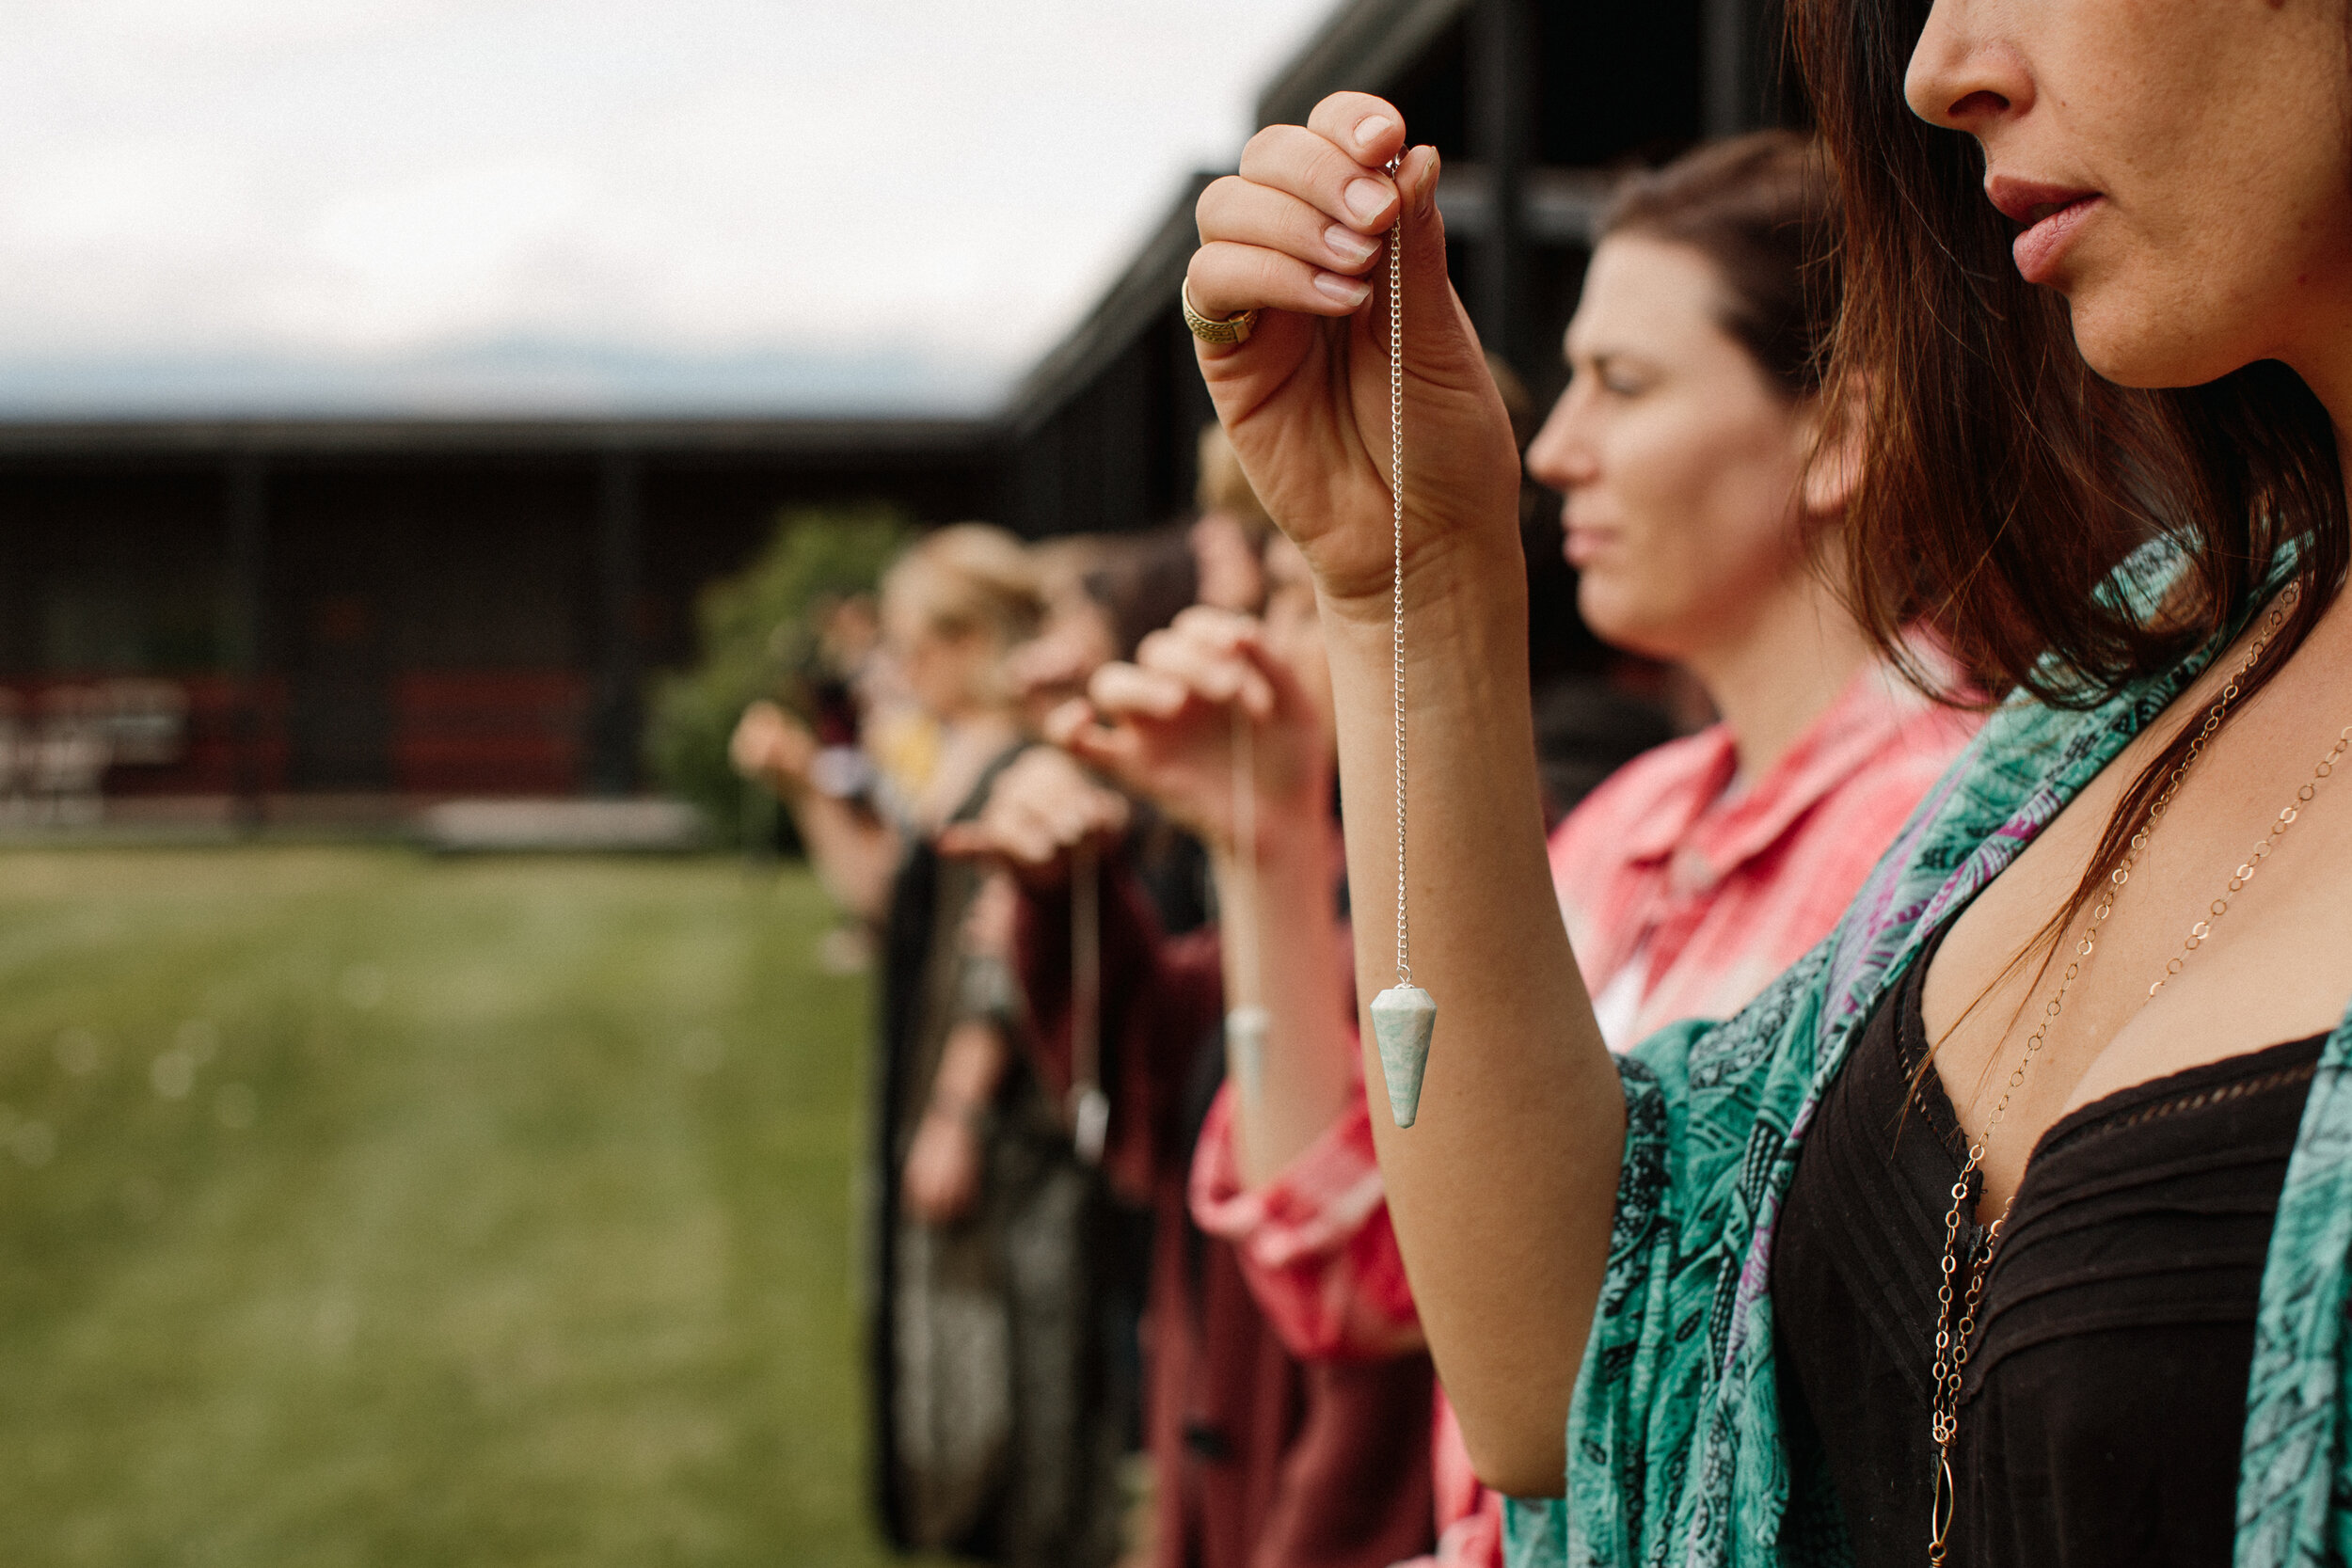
(1396, 603)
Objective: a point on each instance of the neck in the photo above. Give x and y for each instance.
(1780, 668)
(968, 741)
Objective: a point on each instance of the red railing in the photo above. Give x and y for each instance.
(452, 731)
(488, 732)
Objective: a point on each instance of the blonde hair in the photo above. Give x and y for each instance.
(1223, 486)
(967, 579)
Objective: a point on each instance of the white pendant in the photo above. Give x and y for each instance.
(1090, 1122)
(1247, 1028)
(1402, 1018)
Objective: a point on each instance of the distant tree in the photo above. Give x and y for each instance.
(758, 638)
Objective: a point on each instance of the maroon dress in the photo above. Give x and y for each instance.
(1261, 1460)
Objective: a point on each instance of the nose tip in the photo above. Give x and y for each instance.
(1961, 76)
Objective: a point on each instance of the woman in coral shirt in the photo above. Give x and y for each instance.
(1694, 876)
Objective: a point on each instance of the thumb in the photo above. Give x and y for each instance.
(1440, 341)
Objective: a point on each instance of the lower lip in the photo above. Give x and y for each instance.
(1582, 545)
(2039, 249)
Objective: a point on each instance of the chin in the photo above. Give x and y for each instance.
(2138, 343)
(1623, 625)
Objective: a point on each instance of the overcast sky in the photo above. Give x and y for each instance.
(913, 197)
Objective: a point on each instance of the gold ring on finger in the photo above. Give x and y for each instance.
(1232, 329)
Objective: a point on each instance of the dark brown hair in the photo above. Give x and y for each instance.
(2004, 480)
(1763, 209)
(1141, 583)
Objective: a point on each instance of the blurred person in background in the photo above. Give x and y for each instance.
(989, 1428)
(1074, 632)
(1702, 869)
(1259, 1459)
(1102, 596)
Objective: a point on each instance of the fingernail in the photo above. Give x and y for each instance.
(1348, 290)
(1367, 199)
(1372, 128)
(1350, 246)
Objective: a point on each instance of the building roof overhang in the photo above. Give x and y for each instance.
(811, 440)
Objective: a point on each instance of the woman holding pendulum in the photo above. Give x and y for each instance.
(1700, 870)
(2012, 1224)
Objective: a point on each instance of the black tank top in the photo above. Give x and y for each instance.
(2104, 1398)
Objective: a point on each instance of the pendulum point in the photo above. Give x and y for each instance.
(1246, 1030)
(1403, 1017)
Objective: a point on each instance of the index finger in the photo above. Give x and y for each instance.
(1367, 128)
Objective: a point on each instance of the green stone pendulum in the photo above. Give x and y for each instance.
(1404, 1016)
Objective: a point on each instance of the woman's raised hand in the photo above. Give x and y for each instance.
(771, 746)
(1038, 812)
(1163, 726)
(1296, 235)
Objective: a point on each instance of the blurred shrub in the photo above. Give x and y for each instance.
(755, 640)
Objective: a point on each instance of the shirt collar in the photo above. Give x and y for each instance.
(1710, 832)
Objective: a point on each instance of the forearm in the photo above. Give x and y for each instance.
(1288, 912)
(1503, 1191)
(854, 853)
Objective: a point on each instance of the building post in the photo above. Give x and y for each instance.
(1501, 62)
(1732, 47)
(614, 714)
(248, 519)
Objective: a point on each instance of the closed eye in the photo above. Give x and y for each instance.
(1617, 378)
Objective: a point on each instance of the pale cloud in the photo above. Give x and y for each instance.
(331, 179)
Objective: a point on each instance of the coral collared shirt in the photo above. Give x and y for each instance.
(1686, 891)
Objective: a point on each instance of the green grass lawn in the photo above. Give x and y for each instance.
(362, 1209)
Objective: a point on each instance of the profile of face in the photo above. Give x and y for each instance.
(947, 675)
(2179, 169)
(1075, 640)
(1680, 461)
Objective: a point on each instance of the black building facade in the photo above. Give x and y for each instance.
(423, 608)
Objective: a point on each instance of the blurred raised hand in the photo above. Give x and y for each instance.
(1040, 809)
(1296, 235)
(772, 747)
(1163, 727)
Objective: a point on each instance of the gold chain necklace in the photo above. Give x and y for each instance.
(1952, 1340)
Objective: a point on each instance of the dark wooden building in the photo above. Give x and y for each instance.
(427, 607)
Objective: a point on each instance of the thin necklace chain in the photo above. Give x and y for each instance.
(1396, 584)
(1244, 930)
(1952, 1340)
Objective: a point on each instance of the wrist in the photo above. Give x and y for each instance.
(1475, 573)
(1295, 833)
(970, 1115)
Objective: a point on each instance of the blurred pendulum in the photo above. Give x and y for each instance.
(1089, 1107)
(1246, 1022)
(1404, 1016)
